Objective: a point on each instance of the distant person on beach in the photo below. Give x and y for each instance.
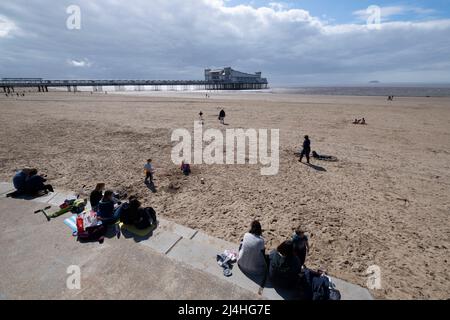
(251, 258)
(96, 195)
(284, 266)
(200, 116)
(306, 149)
(107, 212)
(301, 245)
(186, 168)
(363, 121)
(222, 116)
(149, 171)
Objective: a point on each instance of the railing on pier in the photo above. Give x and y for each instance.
(10, 84)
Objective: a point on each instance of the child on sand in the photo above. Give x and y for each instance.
(186, 168)
(149, 171)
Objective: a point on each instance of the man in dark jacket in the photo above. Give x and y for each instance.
(306, 149)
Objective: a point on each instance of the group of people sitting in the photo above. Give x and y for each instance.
(359, 121)
(390, 98)
(110, 210)
(285, 265)
(29, 183)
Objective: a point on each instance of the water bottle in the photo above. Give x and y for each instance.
(80, 223)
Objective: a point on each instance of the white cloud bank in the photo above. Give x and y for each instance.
(178, 38)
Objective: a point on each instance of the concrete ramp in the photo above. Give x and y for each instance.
(39, 250)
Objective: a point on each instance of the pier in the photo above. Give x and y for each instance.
(221, 79)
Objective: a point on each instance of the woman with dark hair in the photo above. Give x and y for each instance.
(96, 195)
(251, 257)
(107, 213)
(284, 267)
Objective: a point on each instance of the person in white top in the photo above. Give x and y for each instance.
(251, 257)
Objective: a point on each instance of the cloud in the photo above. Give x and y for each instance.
(177, 39)
(6, 26)
(79, 63)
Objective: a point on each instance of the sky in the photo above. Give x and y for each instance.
(303, 42)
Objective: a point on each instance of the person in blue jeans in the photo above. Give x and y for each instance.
(106, 212)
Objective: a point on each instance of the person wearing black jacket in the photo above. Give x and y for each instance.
(306, 149)
(96, 196)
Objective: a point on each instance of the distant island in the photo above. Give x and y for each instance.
(374, 81)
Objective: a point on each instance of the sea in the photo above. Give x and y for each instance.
(372, 90)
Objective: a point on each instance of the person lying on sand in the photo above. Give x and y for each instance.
(323, 157)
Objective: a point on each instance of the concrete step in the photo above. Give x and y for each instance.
(203, 256)
(6, 188)
(199, 250)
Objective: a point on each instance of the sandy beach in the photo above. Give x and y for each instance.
(385, 202)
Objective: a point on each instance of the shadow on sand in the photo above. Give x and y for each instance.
(151, 186)
(315, 167)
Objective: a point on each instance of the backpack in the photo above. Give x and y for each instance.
(92, 233)
(147, 218)
(320, 288)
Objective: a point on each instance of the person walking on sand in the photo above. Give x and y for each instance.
(222, 116)
(149, 171)
(306, 149)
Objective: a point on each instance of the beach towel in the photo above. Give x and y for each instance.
(72, 224)
(139, 232)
